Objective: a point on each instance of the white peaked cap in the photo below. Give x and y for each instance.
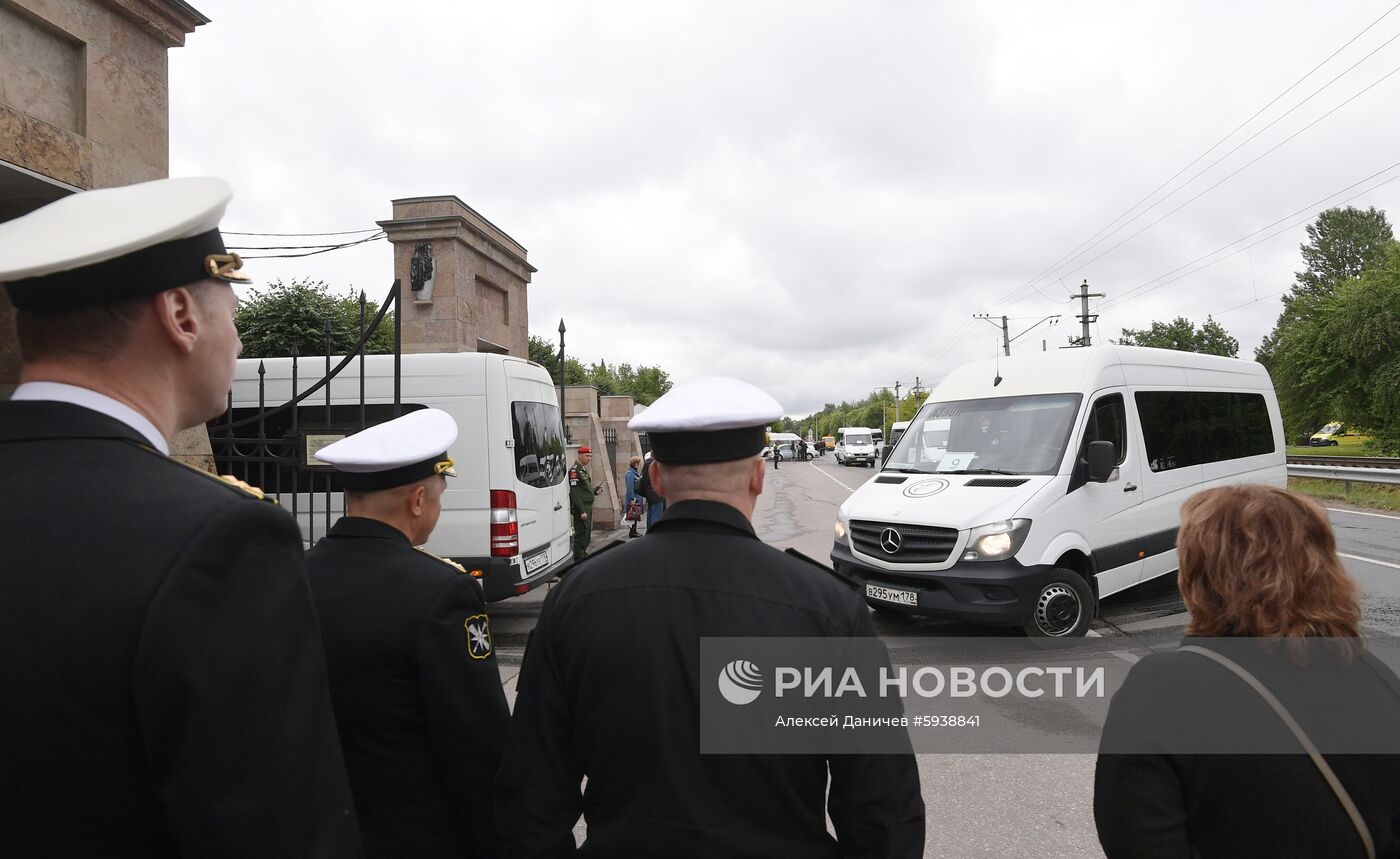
(713, 419)
(394, 453)
(96, 247)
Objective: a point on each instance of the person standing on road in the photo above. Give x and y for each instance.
(632, 478)
(417, 693)
(582, 492)
(161, 669)
(607, 691)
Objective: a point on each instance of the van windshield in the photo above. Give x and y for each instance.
(1011, 435)
(858, 438)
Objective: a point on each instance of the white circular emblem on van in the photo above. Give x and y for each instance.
(926, 487)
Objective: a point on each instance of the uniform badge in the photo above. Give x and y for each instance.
(478, 628)
(573, 477)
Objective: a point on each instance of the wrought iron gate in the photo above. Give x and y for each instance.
(273, 447)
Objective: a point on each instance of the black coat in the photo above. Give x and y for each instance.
(609, 691)
(417, 693)
(1160, 805)
(163, 684)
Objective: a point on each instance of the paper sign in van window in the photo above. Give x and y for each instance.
(956, 461)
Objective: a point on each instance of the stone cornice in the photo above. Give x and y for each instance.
(448, 226)
(168, 20)
(476, 219)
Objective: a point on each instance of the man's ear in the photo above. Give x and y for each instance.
(756, 475)
(657, 483)
(178, 317)
(416, 500)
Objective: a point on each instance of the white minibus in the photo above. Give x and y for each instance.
(505, 516)
(1029, 488)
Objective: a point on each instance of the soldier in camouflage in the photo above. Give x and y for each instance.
(582, 491)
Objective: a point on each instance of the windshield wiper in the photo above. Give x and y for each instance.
(908, 470)
(982, 471)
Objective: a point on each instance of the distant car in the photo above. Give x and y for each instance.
(1327, 436)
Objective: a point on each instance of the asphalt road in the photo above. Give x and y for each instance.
(1001, 805)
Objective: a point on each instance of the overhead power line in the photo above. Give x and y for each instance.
(1238, 170)
(1094, 239)
(287, 235)
(1030, 284)
(320, 249)
(1151, 285)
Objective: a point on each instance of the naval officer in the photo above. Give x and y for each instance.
(608, 690)
(162, 676)
(412, 672)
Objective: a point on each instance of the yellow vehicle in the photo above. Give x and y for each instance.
(829, 441)
(1327, 436)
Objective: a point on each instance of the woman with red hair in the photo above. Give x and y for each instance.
(1203, 752)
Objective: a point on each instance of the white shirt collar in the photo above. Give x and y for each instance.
(90, 399)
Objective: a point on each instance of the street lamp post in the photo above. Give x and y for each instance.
(561, 377)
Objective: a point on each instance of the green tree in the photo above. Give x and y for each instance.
(643, 384)
(1342, 243)
(289, 319)
(1180, 334)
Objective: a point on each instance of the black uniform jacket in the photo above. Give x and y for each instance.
(610, 690)
(162, 685)
(1163, 805)
(417, 693)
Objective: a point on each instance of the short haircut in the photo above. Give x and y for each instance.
(1261, 561)
(730, 477)
(95, 333)
(636, 460)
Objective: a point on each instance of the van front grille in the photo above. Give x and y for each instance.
(918, 544)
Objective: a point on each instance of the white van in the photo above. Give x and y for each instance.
(1025, 490)
(855, 444)
(505, 516)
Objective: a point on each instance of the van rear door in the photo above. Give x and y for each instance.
(538, 469)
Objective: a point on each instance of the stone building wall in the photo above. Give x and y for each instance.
(84, 103)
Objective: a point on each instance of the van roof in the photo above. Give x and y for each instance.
(1085, 370)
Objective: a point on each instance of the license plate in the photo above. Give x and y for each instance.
(892, 595)
(535, 562)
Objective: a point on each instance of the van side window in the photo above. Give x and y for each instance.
(1181, 428)
(539, 443)
(1108, 421)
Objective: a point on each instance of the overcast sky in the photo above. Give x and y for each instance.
(813, 196)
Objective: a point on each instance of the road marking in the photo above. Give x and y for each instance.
(1359, 513)
(1369, 560)
(823, 473)
(1130, 658)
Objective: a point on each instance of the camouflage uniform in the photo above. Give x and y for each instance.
(582, 491)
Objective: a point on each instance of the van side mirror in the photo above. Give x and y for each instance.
(885, 454)
(1102, 458)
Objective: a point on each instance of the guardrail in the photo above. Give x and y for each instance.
(1347, 461)
(1347, 475)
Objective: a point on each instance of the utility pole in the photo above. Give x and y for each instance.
(1006, 338)
(896, 401)
(1085, 317)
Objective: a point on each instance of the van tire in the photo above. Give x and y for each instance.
(1064, 608)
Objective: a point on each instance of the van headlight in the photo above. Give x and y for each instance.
(840, 531)
(996, 541)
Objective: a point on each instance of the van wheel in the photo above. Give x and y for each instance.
(1063, 608)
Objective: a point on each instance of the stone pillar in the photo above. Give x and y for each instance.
(84, 104)
(463, 280)
(614, 413)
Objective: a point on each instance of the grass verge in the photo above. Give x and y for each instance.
(1377, 496)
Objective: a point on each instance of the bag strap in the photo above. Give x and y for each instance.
(1303, 739)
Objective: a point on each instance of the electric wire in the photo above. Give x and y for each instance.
(322, 249)
(1071, 255)
(1095, 240)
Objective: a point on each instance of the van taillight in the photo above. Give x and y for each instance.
(505, 528)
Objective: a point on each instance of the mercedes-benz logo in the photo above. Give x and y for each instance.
(889, 541)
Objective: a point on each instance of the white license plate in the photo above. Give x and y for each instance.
(536, 562)
(892, 595)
